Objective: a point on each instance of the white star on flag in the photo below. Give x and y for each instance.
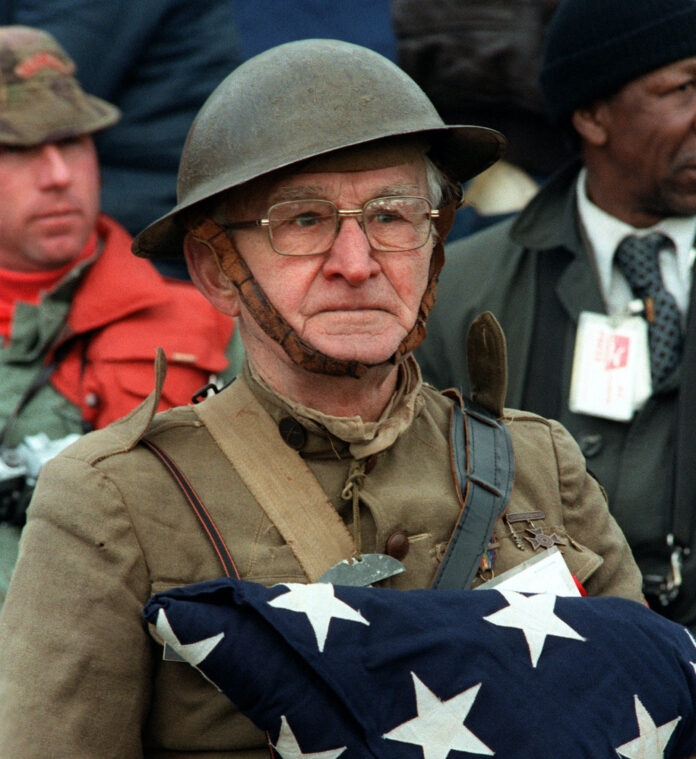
(693, 640)
(534, 615)
(320, 605)
(289, 748)
(439, 727)
(193, 653)
(652, 740)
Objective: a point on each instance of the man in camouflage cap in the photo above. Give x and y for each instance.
(40, 98)
(80, 319)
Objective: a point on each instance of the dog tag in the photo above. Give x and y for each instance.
(363, 570)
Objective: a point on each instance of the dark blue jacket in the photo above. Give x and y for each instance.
(157, 60)
(263, 24)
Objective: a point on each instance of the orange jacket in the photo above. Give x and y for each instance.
(122, 310)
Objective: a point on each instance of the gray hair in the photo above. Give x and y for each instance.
(437, 182)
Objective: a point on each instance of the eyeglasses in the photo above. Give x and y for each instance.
(309, 227)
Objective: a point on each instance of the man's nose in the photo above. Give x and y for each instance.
(350, 256)
(54, 169)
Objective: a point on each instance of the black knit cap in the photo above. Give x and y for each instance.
(594, 47)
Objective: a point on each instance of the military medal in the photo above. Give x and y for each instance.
(534, 535)
(538, 538)
(528, 517)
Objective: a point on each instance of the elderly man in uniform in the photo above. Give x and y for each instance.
(316, 189)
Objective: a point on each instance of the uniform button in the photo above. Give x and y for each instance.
(91, 400)
(590, 444)
(292, 432)
(397, 545)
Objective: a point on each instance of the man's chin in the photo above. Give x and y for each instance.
(372, 340)
(367, 358)
(678, 198)
(362, 350)
(48, 259)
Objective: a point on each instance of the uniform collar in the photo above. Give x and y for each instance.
(361, 439)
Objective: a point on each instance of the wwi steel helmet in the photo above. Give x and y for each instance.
(298, 101)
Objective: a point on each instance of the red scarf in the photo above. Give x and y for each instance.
(31, 286)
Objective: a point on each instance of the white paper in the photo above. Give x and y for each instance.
(546, 572)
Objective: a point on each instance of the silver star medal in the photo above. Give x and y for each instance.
(362, 570)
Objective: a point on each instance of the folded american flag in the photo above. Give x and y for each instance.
(369, 672)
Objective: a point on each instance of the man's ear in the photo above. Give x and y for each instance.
(591, 123)
(206, 273)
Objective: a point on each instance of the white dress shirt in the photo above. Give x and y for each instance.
(603, 233)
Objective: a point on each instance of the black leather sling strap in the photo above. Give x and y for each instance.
(199, 509)
(485, 467)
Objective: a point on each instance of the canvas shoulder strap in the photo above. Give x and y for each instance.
(277, 476)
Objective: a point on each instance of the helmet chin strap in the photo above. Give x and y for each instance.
(277, 328)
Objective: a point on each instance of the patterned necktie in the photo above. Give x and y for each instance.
(637, 259)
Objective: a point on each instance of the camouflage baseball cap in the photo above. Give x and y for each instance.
(40, 99)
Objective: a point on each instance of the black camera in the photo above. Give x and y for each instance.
(19, 469)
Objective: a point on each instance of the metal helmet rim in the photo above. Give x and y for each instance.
(298, 101)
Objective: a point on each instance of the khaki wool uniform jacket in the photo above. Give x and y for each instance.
(80, 674)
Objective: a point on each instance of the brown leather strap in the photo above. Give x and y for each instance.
(278, 478)
(487, 363)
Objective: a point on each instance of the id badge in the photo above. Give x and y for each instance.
(611, 366)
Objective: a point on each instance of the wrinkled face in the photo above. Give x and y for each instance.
(49, 201)
(651, 125)
(352, 302)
